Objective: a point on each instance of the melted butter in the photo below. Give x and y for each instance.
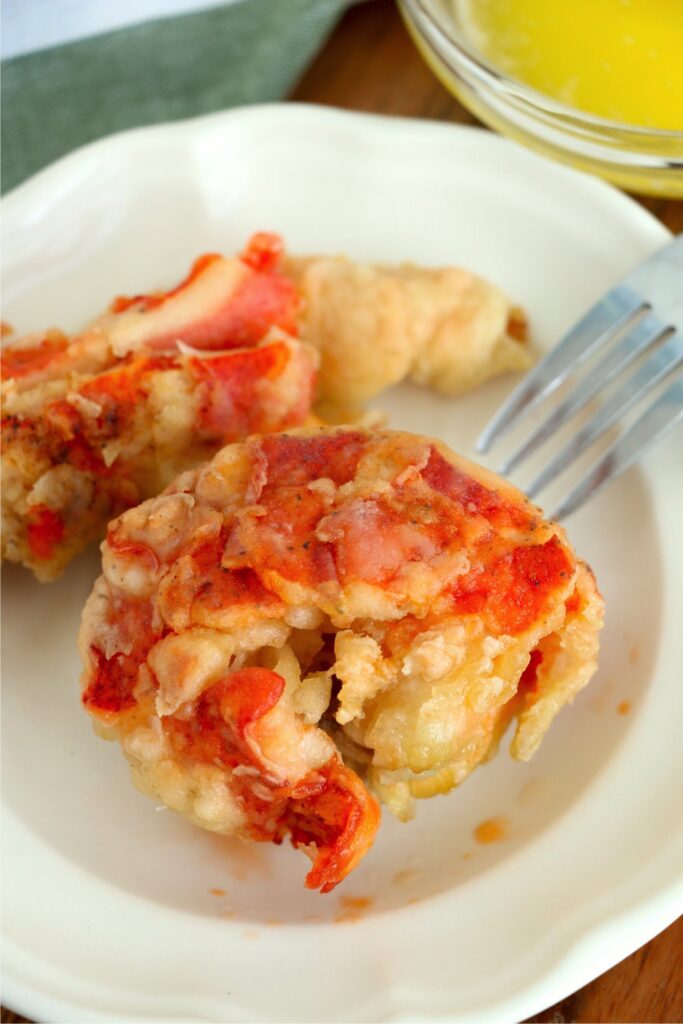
(618, 59)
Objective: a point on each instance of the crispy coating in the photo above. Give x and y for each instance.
(315, 615)
(80, 449)
(377, 325)
(96, 423)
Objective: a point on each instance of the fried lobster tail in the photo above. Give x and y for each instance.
(376, 325)
(316, 614)
(95, 424)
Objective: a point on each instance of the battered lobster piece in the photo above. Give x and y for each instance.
(94, 423)
(376, 325)
(316, 616)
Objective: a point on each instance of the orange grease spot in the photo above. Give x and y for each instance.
(531, 791)
(217, 892)
(493, 830)
(518, 325)
(624, 707)
(405, 876)
(353, 908)
(634, 654)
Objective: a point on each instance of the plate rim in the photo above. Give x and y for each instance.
(381, 122)
(661, 908)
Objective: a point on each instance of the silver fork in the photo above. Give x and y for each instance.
(645, 313)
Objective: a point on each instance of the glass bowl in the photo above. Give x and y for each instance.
(640, 159)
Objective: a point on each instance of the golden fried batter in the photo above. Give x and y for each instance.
(377, 325)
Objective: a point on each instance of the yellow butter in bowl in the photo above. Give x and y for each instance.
(595, 83)
(617, 59)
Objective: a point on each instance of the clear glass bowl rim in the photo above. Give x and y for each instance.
(499, 79)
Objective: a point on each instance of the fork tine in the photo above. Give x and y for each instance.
(646, 377)
(638, 340)
(614, 312)
(661, 417)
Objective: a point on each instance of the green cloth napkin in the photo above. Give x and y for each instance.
(250, 52)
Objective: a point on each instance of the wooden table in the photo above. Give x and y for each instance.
(369, 63)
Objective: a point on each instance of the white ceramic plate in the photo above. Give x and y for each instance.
(108, 913)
